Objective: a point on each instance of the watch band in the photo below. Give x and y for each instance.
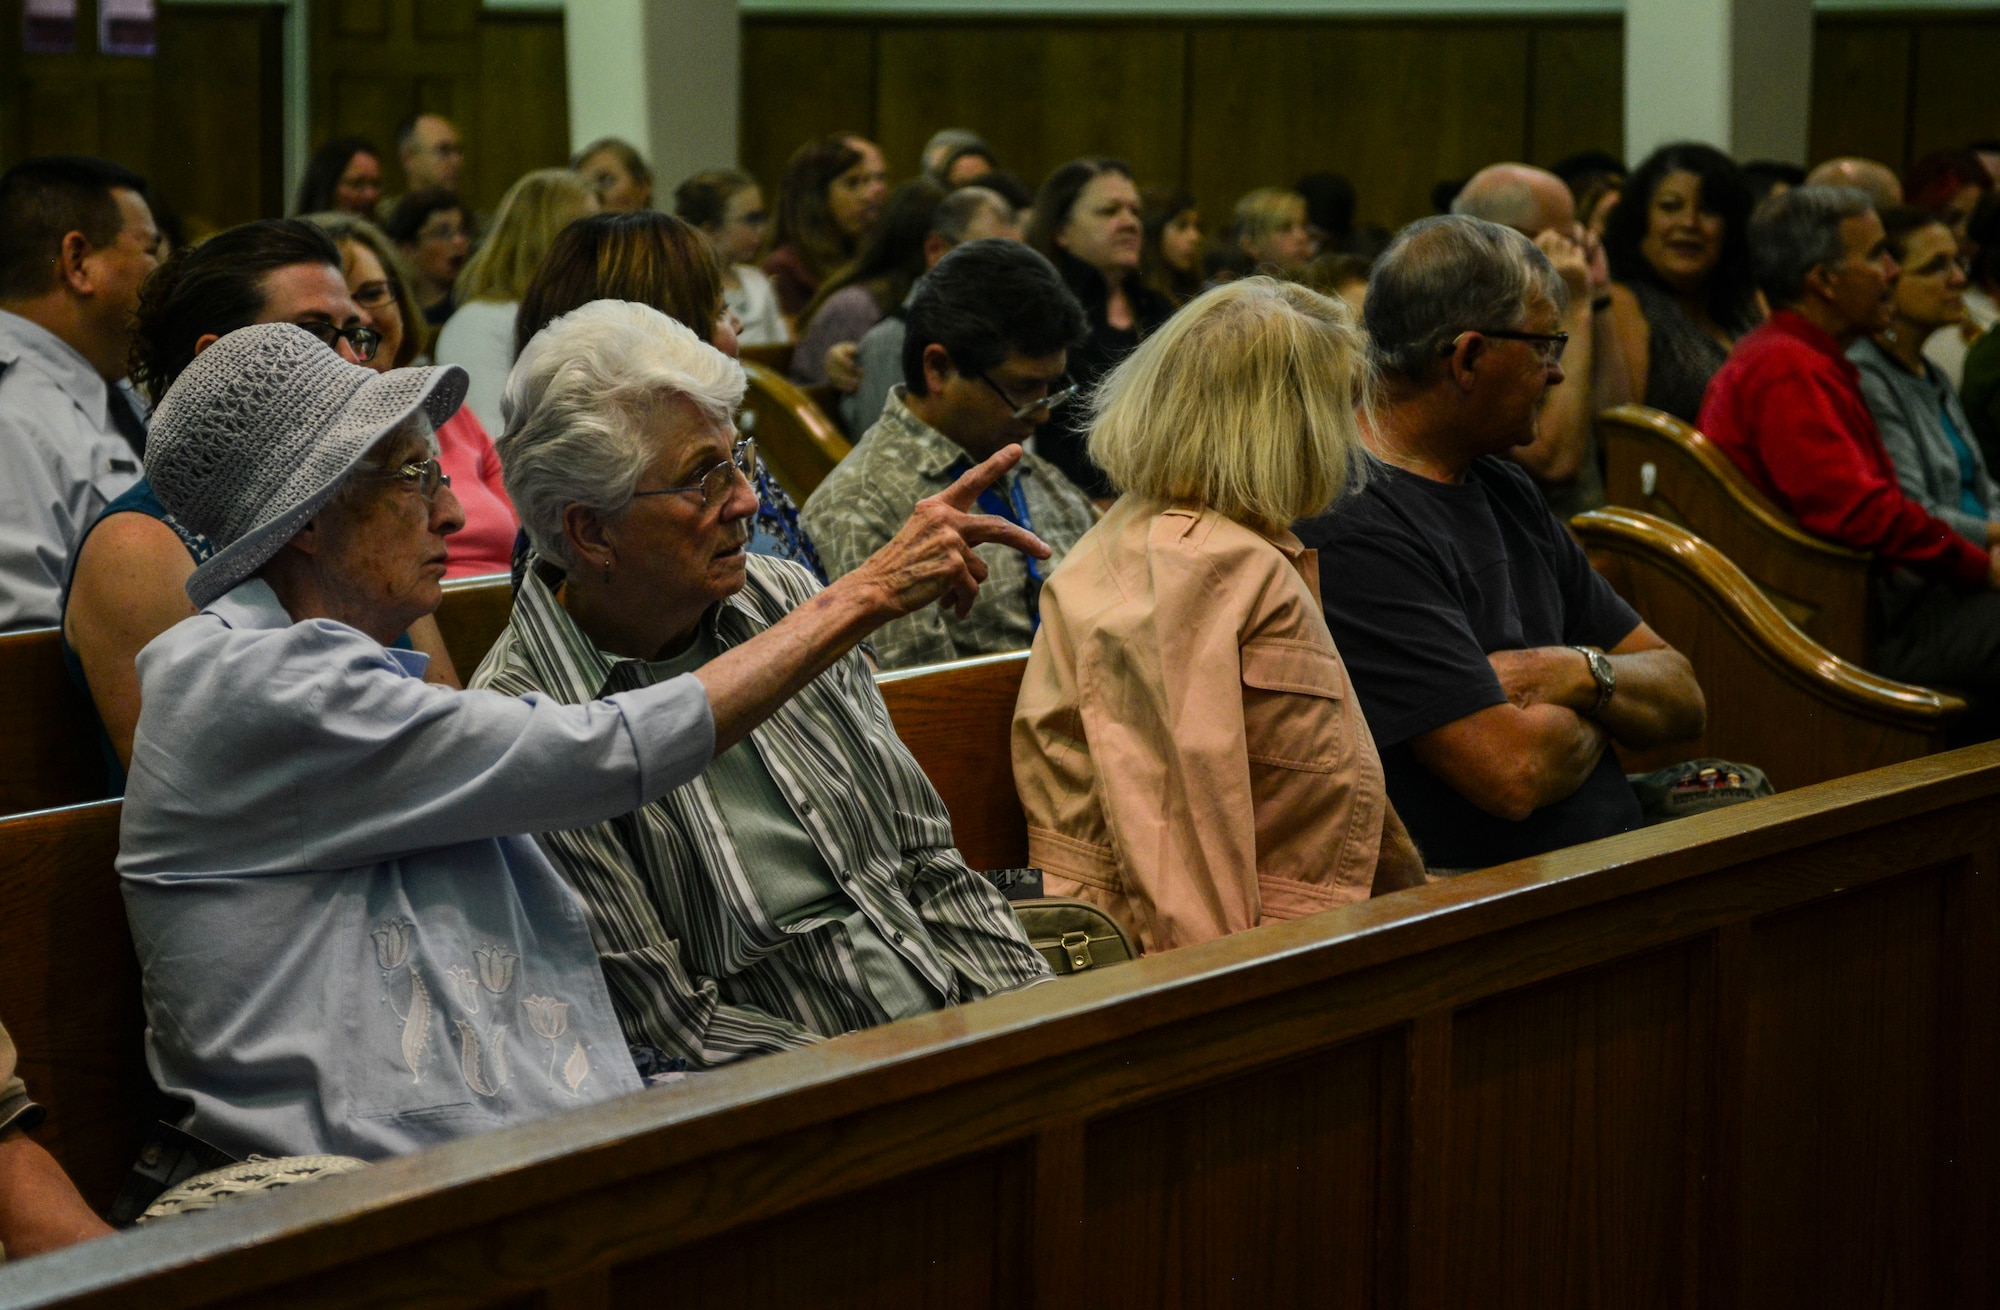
(1602, 673)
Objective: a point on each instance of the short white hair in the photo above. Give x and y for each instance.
(576, 407)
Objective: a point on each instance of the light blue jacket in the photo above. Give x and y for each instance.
(343, 946)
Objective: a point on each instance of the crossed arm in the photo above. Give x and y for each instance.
(1538, 748)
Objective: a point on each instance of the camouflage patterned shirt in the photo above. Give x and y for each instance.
(869, 495)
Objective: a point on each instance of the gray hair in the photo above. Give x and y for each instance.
(1795, 232)
(1446, 275)
(956, 213)
(576, 407)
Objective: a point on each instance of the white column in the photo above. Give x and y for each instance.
(1736, 74)
(663, 74)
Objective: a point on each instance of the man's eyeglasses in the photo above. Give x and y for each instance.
(362, 340)
(426, 475)
(718, 480)
(1048, 404)
(1547, 344)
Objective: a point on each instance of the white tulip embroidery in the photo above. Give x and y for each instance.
(576, 1068)
(416, 1027)
(392, 944)
(464, 987)
(496, 968)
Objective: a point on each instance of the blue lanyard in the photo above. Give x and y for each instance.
(1014, 508)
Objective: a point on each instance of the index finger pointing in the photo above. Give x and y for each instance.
(962, 494)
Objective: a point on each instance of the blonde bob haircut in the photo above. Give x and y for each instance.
(1245, 402)
(1266, 210)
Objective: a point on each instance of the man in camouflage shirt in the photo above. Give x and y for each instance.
(989, 333)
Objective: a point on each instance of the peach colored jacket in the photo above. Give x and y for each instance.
(1187, 746)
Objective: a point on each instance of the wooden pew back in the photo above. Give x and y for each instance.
(1747, 1059)
(49, 754)
(1776, 699)
(69, 991)
(1656, 463)
(472, 616)
(794, 436)
(957, 719)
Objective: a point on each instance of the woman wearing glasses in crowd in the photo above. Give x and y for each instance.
(805, 884)
(658, 260)
(1924, 428)
(380, 283)
(129, 574)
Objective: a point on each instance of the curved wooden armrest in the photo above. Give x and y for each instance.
(794, 435)
(1754, 503)
(777, 358)
(1706, 570)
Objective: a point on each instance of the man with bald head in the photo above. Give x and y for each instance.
(1563, 458)
(1878, 181)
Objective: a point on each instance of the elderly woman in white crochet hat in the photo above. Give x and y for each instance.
(344, 948)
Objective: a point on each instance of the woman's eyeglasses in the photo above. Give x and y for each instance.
(718, 480)
(1042, 404)
(361, 340)
(426, 475)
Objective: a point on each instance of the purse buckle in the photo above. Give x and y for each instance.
(1076, 945)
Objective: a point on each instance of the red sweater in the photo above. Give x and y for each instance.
(1787, 408)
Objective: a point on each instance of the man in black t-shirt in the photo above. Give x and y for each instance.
(1494, 665)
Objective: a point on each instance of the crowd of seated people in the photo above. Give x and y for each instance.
(1278, 514)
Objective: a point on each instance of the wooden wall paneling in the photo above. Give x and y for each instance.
(1415, 103)
(802, 80)
(1576, 90)
(522, 121)
(1845, 1179)
(1860, 89)
(1566, 1096)
(1197, 1199)
(218, 106)
(1040, 93)
(1956, 98)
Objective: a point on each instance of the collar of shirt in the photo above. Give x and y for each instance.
(572, 667)
(24, 339)
(1790, 323)
(932, 453)
(254, 607)
(1303, 557)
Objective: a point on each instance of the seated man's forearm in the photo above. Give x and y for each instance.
(1657, 701)
(1511, 760)
(40, 1209)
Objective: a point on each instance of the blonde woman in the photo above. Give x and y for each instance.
(1186, 744)
(479, 337)
(1271, 228)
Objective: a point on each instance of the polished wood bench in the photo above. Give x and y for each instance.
(1746, 1059)
(957, 719)
(1776, 698)
(1656, 463)
(795, 437)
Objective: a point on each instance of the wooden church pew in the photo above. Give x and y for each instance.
(69, 991)
(48, 742)
(1656, 463)
(956, 719)
(1776, 698)
(1746, 1059)
(794, 435)
(472, 615)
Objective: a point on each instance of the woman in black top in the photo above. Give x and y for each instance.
(1679, 248)
(1087, 222)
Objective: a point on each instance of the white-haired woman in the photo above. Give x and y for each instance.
(345, 944)
(1186, 744)
(804, 885)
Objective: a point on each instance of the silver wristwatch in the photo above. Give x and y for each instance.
(1602, 673)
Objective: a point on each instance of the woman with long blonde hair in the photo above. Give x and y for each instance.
(1186, 744)
(479, 337)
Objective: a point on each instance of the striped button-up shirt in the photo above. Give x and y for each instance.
(696, 965)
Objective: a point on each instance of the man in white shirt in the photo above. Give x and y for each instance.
(76, 241)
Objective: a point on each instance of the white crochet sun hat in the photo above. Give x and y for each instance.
(260, 431)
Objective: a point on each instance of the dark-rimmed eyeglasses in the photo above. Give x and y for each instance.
(1045, 404)
(362, 340)
(717, 481)
(426, 475)
(1549, 345)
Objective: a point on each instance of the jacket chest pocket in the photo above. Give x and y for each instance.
(1296, 713)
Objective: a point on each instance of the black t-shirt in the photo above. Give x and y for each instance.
(1421, 580)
